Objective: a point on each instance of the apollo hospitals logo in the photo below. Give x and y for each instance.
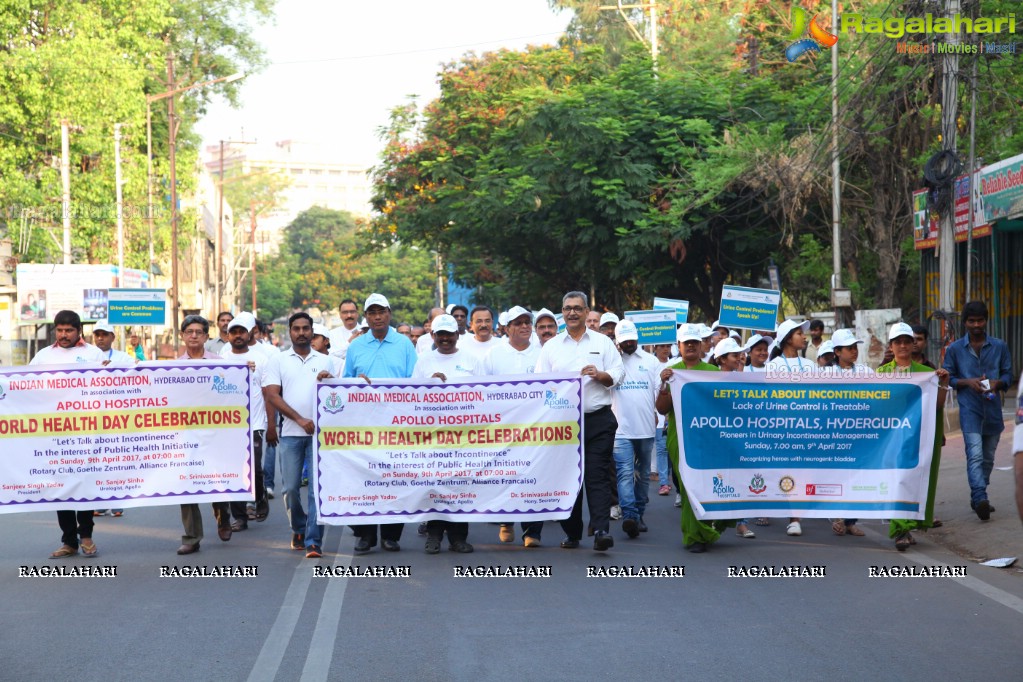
(802, 26)
(721, 489)
(221, 385)
(334, 403)
(552, 401)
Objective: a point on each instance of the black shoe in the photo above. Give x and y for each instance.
(239, 525)
(297, 541)
(983, 510)
(390, 546)
(602, 541)
(433, 545)
(569, 543)
(696, 548)
(631, 528)
(642, 526)
(422, 529)
(364, 545)
(460, 546)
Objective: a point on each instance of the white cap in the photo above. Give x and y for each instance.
(449, 308)
(826, 347)
(502, 318)
(754, 340)
(689, 332)
(363, 324)
(626, 331)
(543, 312)
(705, 331)
(518, 311)
(725, 346)
(245, 320)
(609, 318)
(844, 337)
(376, 299)
(900, 329)
(789, 326)
(714, 327)
(444, 323)
(103, 327)
(735, 335)
(318, 330)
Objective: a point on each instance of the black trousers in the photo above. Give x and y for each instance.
(74, 524)
(388, 531)
(598, 453)
(239, 509)
(457, 530)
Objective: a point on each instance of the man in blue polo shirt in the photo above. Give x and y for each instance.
(980, 371)
(383, 353)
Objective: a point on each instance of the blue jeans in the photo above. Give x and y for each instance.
(294, 452)
(980, 459)
(269, 464)
(632, 455)
(663, 466)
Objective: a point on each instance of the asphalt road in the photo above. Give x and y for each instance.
(286, 624)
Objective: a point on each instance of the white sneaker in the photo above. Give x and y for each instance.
(270, 493)
(616, 512)
(678, 499)
(794, 529)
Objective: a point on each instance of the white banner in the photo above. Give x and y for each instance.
(92, 437)
(502, 449)
(809, 445)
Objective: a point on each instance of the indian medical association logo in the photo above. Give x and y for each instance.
(804, 25)
(757, 484)
(333, 404)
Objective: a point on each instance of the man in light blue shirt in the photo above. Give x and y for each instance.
(381, 354)
(980, 370)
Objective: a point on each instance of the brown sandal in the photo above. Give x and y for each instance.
(854, 530)
(838, 526)
(89, 548)
(64, 552)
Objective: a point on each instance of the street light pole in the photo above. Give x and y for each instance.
(172, 131)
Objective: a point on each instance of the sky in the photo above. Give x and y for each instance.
(338, 67)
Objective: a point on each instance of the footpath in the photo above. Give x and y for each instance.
(964, 533)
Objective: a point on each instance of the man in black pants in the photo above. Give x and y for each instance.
(594, 357)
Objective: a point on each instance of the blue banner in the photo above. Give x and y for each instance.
(747, 308)
(821, 445)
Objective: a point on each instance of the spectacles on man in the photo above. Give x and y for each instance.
(193, 332)
(573, 309)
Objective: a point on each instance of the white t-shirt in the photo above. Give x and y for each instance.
(452, 366)
(751, 368)
(796, 364)
(1017, 434)
(632, 401)
(297, 378)
(55, 355)
(477, 349)
(258, 416)
(424, 344)
(264, 349)
(118, 358)
(341, 336)
(504, 359)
